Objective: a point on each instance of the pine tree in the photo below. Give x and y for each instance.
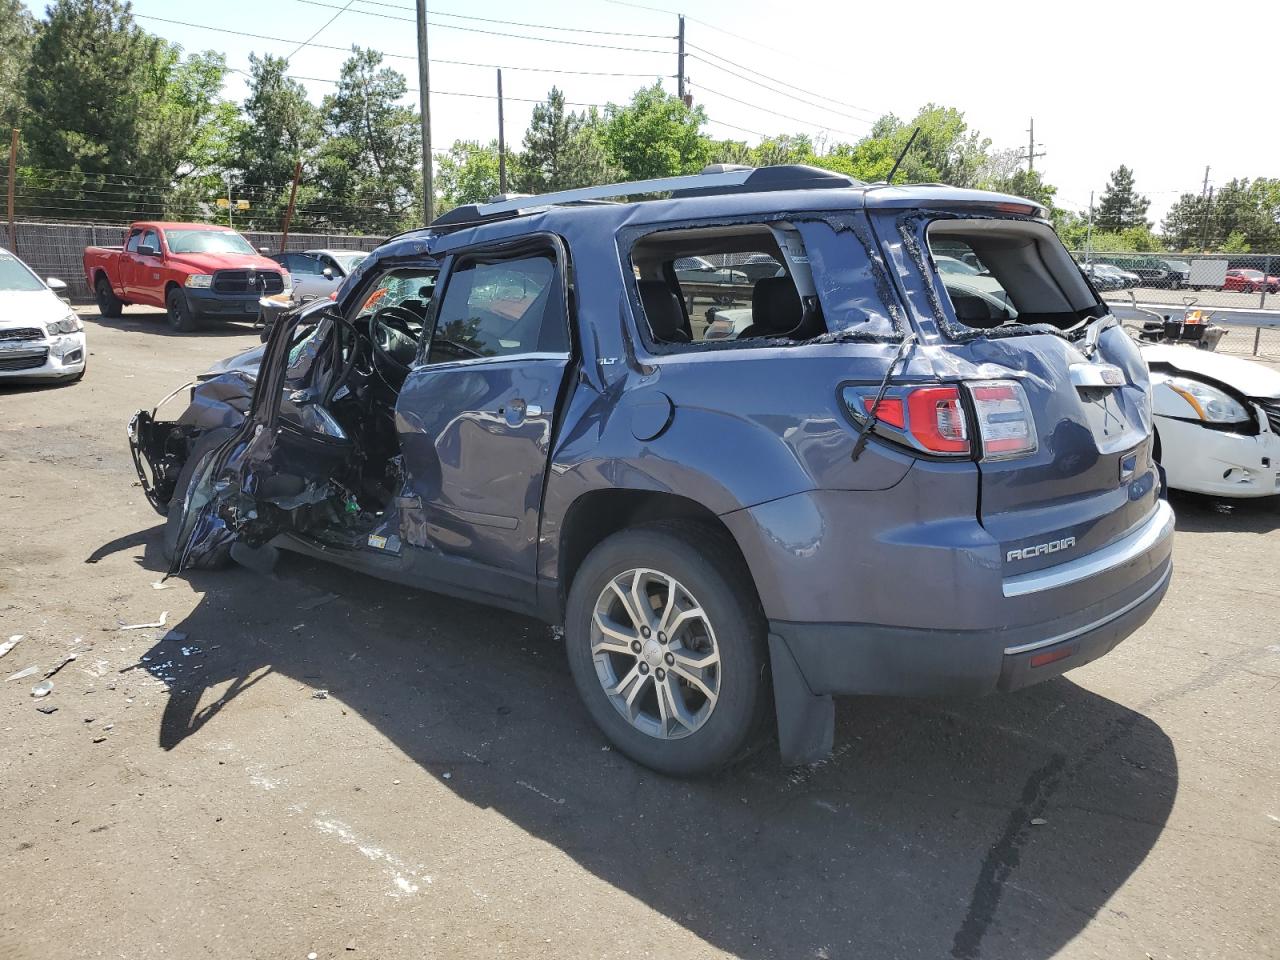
(562, 150)
(1120, 206)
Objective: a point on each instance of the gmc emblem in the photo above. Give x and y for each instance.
(1040, 549)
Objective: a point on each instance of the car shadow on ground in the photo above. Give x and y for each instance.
(1200, 514)
(996, 828)
(155, 321)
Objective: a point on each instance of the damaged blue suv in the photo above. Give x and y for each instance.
(873, 475)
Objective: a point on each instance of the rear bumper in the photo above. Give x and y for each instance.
(856, 658)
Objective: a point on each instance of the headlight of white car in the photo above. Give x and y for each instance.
(68, 324)
(201, 280)
(1209, 403)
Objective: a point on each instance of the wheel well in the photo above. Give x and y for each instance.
(601, 513)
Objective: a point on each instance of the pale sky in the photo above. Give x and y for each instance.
(1141, 83)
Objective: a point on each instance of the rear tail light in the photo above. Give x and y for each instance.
(933, 418)
(1005, 425)
(938, 420)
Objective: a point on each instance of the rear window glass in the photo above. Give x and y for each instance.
(1005, 274)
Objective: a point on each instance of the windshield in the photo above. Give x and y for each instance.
(14, 274)
(208, 241)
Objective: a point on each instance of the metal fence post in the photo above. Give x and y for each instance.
(1266, 273)
(1257, 339)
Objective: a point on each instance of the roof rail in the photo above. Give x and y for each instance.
(714, 180)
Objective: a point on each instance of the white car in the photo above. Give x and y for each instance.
(41, 338)
(1217, 421)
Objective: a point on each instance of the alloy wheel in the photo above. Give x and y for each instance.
(655, 653)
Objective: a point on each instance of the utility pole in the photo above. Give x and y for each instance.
(680, 62)
(1088, 233)
(288, 214)
(13, 167)
(424, 95)
(1031, 147)
(1204, 223)
(502, 142)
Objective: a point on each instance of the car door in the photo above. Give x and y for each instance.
(476, 414)
(145, 278)
(130, 262)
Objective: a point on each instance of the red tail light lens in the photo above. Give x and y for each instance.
(890, 411)
(1005, 425)
(937, 419)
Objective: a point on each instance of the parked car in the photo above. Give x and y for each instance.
(1250, 281)
(1104, 276)
(318, 273)
(41, 337)
(196, 271)
(729, 531)
(1151, 272)
(1179, 273)
(701, 270)
(1217, 421)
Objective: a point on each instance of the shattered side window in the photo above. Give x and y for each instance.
(851, 279)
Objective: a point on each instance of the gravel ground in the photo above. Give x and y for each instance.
(448, 797)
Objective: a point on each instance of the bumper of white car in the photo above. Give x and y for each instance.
(1217, 462)
(53, 358)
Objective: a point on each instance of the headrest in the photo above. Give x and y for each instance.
(663, 311)
(775, 307)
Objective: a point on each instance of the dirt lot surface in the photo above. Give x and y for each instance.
(450, 798)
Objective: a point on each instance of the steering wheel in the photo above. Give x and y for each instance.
(388, 325)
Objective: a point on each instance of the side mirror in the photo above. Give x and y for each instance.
(146, 250)
(327, 273)
(56, 285)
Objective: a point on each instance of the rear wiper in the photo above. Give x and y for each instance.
(873, 413)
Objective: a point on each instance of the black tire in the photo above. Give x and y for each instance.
(181, 318)
(109, 304)
(708, 566)
(200, 452)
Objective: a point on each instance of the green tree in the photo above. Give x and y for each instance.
(368, 165)
(655, 135)
(1121, 206)
(946, 150)
(468, 173)
(17, 35)
(212, 127)
(1026, 183)
(562, 150)
(281, 127)
(1185, 222)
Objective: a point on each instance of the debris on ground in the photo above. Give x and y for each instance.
(42, 689)
(99, 739)
(146, 626)
(320, 695)
(46, 708)
(10, 644)
(1038, 821)
(159, 585)
(65, 660)
(24, 672)
(177, 636)
(317, 601)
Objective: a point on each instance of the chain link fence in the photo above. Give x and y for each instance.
(57, 249)
(1247, 281)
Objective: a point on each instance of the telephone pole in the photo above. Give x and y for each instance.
(1204, 223)
(1031, 147)
(424, 96)
(502, 142)
(680, 85)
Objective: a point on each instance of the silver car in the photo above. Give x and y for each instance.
(318, 273)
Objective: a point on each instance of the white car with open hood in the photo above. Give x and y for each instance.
(1217, 421)
(41, 338)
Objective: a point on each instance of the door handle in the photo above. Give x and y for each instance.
(517, 411)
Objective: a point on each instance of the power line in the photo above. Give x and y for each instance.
(721, 123)
(514, 23)
(819, 106)
(784, 116)
(710, 26)
(340, 12)
(498, 33)
(783, 83)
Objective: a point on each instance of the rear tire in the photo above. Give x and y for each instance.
(180, 317)
(109, 304)
(200, 452)
(698, 698)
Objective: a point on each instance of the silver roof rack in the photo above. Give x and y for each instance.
(607, 191)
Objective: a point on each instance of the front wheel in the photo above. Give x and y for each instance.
(667, 645)
(201, 451)
(180, 316)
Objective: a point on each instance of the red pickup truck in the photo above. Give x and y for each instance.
(193, 270)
